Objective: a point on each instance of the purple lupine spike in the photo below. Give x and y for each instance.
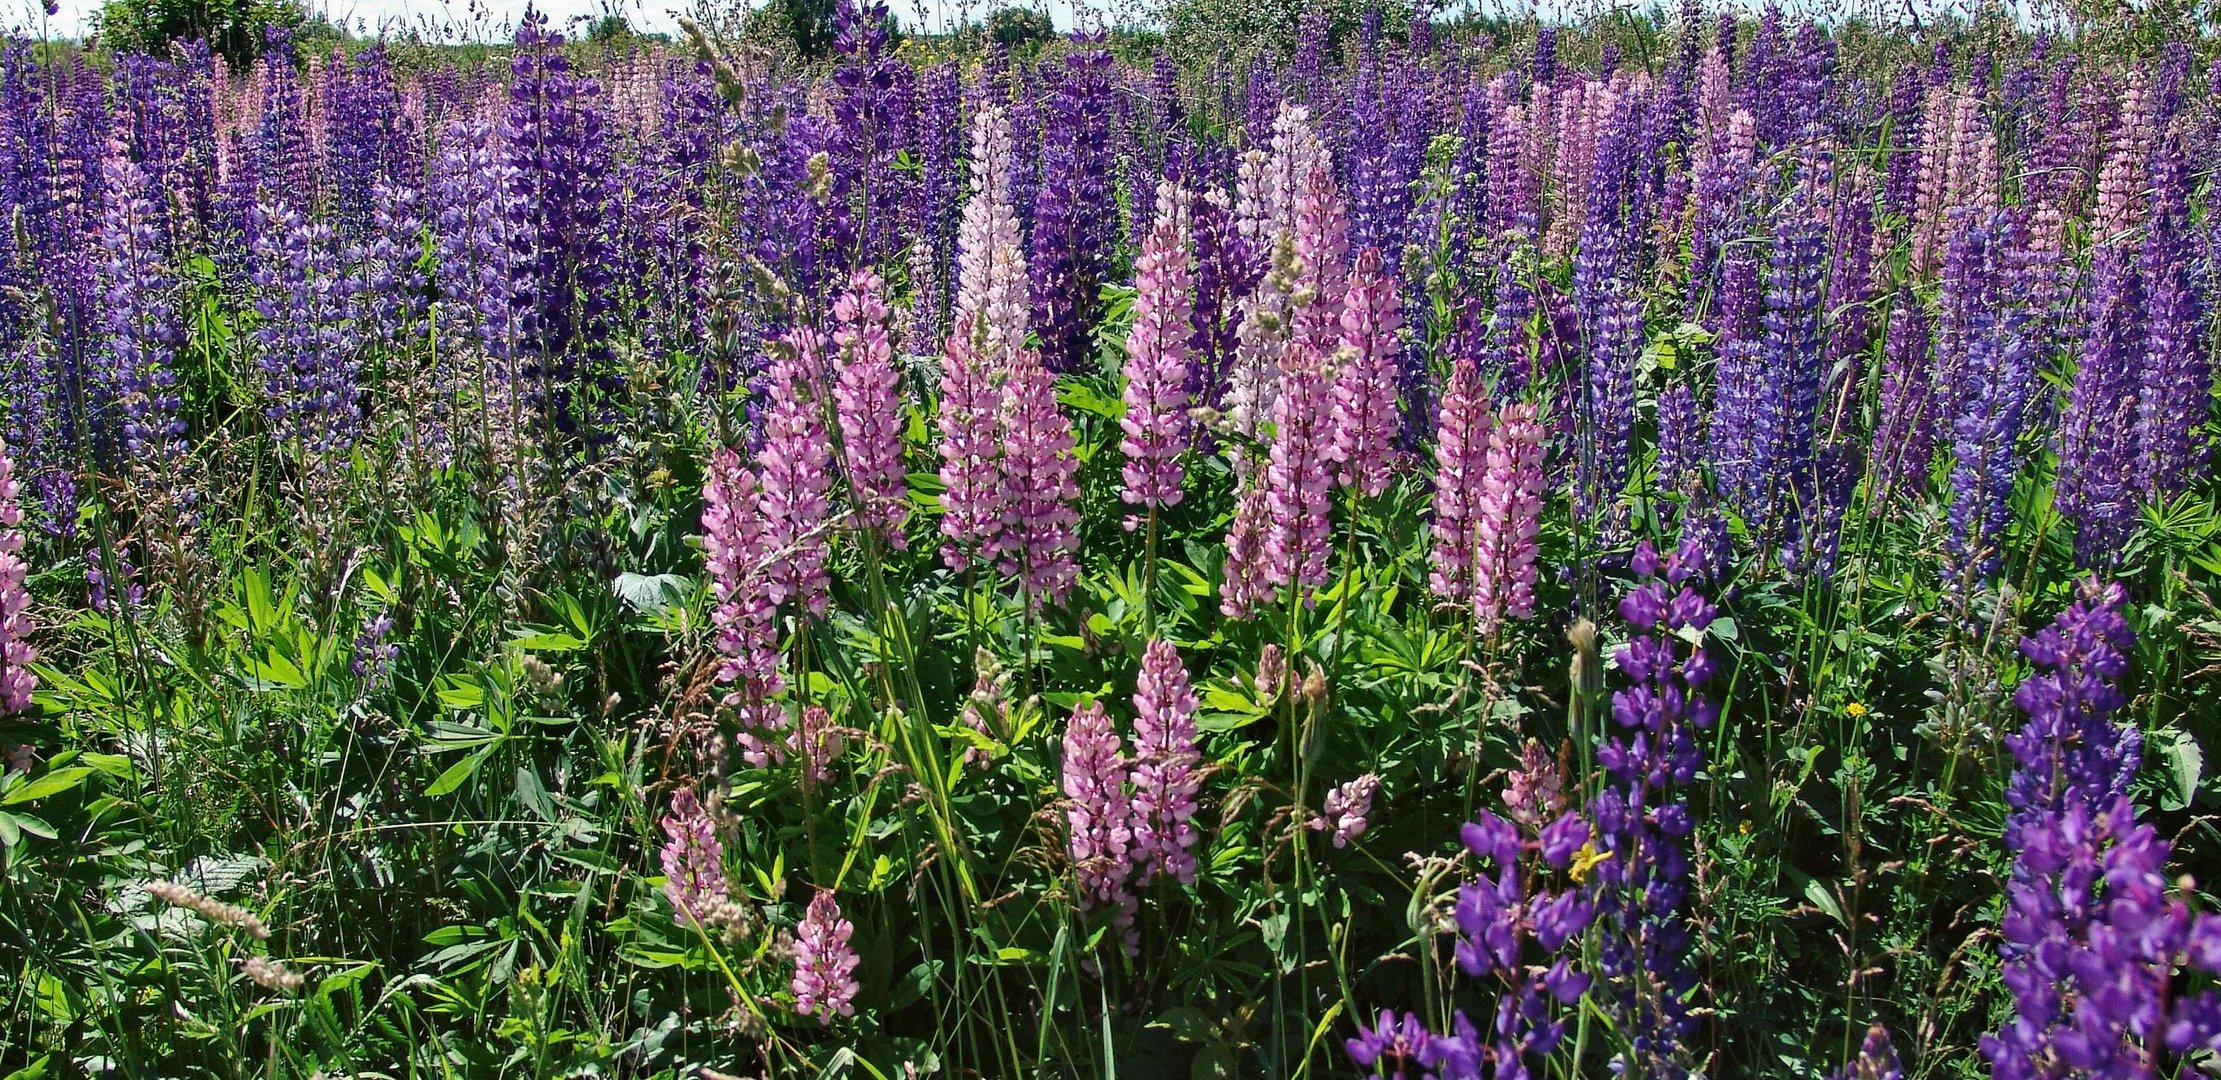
(1155, 426)
(2096, 489)
(971, 448)
(1877, 1058)
(868, 403)
(1995, 377)
(1167, 768)
(1098, 813)
(1040, 495)
(310, 374)
(1071, 237)
(795, 465)
(1508, 509)
(825, 962)
(2176, 373)
(138, 316)
(388, 292)
(472, 192)
(1650, 757)
(747, 639)
(17, 680)
(1904, 442)
(693, 858)
(2096, 944)
(1366, 421)
(1460, 469)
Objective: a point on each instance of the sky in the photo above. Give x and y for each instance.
(490, 19)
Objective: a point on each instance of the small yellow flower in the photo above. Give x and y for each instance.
(1854, 710)
(1585, 860)
(1744, 828)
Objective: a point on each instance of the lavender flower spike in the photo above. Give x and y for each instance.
(824, 962)
(865, 399)
(1156, 421)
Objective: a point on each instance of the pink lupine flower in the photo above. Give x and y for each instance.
(867, 401)
(693, 859)
(1098, 811)
(819, 742)
(1165, 760)
(1040, 511)
(1298, 482)
(1156, 420)
(1346, 809)
(1242, 588)
(824, 962)
(16, 654)
(1322, 248)
(795, 463)
(747, 638)
(971, 448)
(1366, 420)
(992, 283)
(1509, 513)
(1460, 463)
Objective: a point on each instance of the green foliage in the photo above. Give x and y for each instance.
(1019, 29)
(232, 28)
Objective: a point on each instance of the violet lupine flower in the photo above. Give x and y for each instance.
(16, 654)
(747, 639)
(869, 406)
(1904, 441)
(309, 372)
(2177, 372)
(970, 448)
(824, 962)
(472, 227)
(1366, 422)
(1072, 236)
(1346, 809)
(2096, 489)
(1156, 422)
(141, 337)
(1996, 376)
(1098, 812)
(1508, 513)
(1040, 513)
(693, 859)
(795, 467)
(372, 659)
(1782, 477)
(2096, 944)
(1166, 768)
(1394, 1046)
(1460, 469)
(1650, 758)
(1514, 930)
(1877, 1058)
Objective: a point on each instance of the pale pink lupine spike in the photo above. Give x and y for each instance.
(1298, 483)
(1460, 462)
(992, 284)
(971, 448)
(1366, 418)
(693, 859)
(867, 399)
(1155, 426)
(1098, 812)
(1242, 588)
(825, 962)
(17, 681)
(1510, 518)
(1166, 777)
(1039, 536)
(795, 465)
(747, 637)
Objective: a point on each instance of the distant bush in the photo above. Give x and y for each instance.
(233, 28)
(1018, 28)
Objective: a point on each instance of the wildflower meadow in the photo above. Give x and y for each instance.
(1668, 543)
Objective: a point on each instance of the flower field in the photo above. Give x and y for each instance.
(1681, 545)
